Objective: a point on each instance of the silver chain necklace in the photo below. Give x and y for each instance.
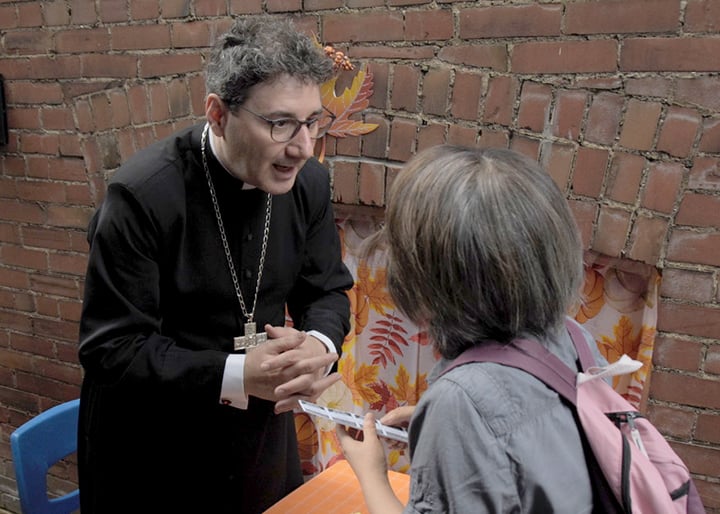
(251, 337)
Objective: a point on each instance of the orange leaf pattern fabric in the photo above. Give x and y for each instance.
(386, 359)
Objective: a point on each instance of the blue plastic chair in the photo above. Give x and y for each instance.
(36, 446)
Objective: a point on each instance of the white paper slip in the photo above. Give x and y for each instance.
(349, 419)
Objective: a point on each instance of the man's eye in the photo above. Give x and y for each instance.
(283, 123)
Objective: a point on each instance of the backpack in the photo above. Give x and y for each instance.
(632, 467)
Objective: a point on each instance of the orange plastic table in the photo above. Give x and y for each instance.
(335, 491)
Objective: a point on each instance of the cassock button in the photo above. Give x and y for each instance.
(249, 237)
(225, 401)
(247, 273)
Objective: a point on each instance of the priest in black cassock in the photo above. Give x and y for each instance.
(201, 242)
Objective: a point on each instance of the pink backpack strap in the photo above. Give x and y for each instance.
(532, 357)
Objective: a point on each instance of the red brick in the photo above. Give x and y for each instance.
(545, 57)
(688, 319)
(622, 16)
(514, 21)
(380, 73)
(590, 167)
(436, 91)
(428, 25)
(490, 56)
(626, 171)
(685, 389)
(708, 428)
(348, 146)
(705, 174)
(408, 2)
(648, 238)
(491, 138)
(27, 42)
(102, 112)
(372, 184)
(700, 91)
(245, 6)
(612, 229)
(569, 113)
(113, 11)
(710, 494)
(345, 182)
(191, 34)
(463, 136)
(120, 66)
(29, 15)
(368, 26)
(411, 53)
(405, 88)
(28, 92)
(712, 360)
(664, 182)
(699, 210)
(500, 99)
(528, 146)
(144, 9)
(670, 54)
(82, 12)
(535, 101)
(169, 64)
(8, 17)
(284, 5)
(402, 138)
(71, 217)
(676, 352)
(316, 5)
(57, 119)
(83, 40)
(604, 118)
(710, 140)
(694, 247)
(678, 131)
(687, 285)
(24, 257)
(641, 121)
(59, 67)
(557, 159)
(140, 37)
(432, 134)
(39, 143)
(672, 421)
(211, 8)
(660, 87)
(702, 16)
(375, 143)
(702, 460)
(466, 95)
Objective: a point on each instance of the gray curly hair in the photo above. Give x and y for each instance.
(259, 49)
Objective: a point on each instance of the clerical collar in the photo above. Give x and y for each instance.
(212, 149)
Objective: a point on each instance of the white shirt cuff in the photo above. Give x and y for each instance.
(232, 392)
(327, 342)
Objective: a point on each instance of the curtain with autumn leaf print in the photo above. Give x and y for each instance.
(386, 359)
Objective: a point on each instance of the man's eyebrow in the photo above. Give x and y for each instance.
(288, 115)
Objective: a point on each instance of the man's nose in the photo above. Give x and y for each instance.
(302, 145)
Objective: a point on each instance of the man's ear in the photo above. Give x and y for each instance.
(216, 113)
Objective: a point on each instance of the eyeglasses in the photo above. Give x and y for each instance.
(283, 130)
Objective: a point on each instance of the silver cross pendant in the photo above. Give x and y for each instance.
(251, 338)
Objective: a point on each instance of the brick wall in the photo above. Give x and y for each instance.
(619, 99)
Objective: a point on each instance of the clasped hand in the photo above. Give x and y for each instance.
(289, 367)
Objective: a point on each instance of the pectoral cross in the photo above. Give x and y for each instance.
(251, 338)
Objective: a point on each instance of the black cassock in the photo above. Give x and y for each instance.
(158, 320)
